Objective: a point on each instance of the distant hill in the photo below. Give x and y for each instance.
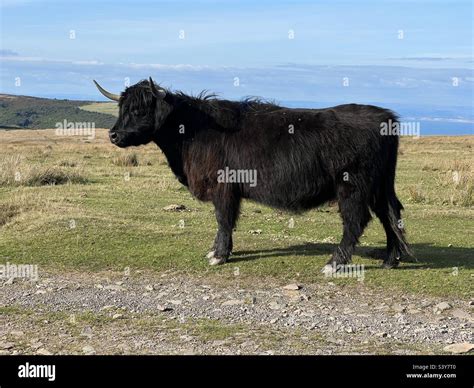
(24, 112)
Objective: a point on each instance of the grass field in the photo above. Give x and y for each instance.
(110, 108)
(106, 212)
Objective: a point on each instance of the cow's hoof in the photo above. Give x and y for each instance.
(217, 260)
(214, 260)
(409, 259)
(328, 270)
(210, 255)
(390, 265)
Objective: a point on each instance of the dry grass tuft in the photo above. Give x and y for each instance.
(10, 170)
(416, 195)
(7, 212)
(53, 176)
(126, 160)
(67, 163)
(14, 171)
(458, 186)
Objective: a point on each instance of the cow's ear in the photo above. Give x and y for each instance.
(158, 93)
(169, 99)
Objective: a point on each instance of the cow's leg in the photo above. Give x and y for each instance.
(227, 207)
(212, 252)
(393, 255)
(355, 216)
(388, 211)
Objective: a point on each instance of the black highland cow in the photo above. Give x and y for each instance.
(302, 159)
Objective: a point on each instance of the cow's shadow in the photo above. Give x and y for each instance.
(426, 254)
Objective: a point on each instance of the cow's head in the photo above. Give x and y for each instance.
(142, 110)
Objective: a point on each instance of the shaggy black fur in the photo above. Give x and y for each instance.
(303, 158)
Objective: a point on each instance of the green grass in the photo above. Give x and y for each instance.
(117, 220)
(110, 108)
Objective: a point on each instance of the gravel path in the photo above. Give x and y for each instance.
(168, 313)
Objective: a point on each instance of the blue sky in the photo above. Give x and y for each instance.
(416, 56)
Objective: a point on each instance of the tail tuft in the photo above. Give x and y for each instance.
(398, 228)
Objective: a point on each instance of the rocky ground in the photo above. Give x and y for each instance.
(168, 313)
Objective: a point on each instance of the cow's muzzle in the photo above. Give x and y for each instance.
(114, 137)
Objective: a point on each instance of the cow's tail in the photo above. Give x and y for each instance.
(397, 226)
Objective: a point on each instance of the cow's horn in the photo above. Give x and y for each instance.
(114, 97)
(158, 93)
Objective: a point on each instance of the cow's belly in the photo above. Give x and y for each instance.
(295, 196)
